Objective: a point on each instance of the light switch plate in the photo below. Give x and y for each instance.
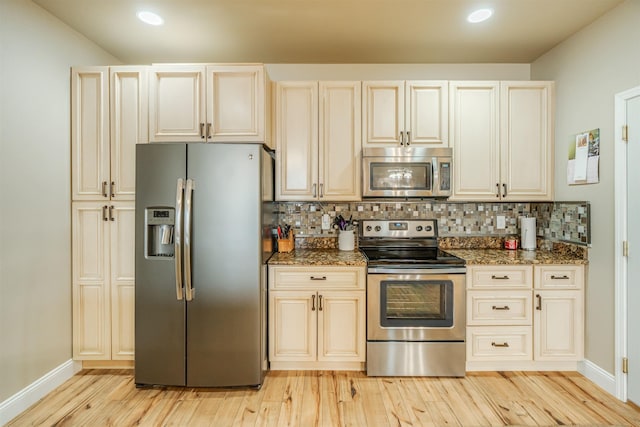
(500, 222)
(326, 222)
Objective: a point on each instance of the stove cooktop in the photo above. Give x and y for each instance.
(410, 256)
(405, 244)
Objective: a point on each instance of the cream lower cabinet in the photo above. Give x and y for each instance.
(318, 141)
(502, 139)
(103, 280)
(558, 326)
(524, 317)
(317, 318)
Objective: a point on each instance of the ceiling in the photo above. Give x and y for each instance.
(328, 31)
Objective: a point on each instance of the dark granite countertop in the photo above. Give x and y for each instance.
(319, 257)
(504, 256)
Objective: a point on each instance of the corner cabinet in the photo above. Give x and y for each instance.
(209, 103)
(502, 137)
(318, 141)
(405, 113)
(525, 317)
(109, 117)
(103, 280)
(317, 317)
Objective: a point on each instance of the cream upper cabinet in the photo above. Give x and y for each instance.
(502, 137)
(318, 140)
(526, 134)
(474, 108)
(209, 103)
(109, 117)
(404, 113)
(103, 280)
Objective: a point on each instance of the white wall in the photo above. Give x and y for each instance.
(398, 71)
(36, 54)
(589, 69)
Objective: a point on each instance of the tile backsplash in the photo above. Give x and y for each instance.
(558, 221)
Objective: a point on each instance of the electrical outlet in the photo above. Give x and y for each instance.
(326, 222)
(500, 222)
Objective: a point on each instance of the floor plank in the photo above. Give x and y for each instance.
(335, 398)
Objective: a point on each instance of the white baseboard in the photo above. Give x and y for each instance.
(599, 376)
(19, 402)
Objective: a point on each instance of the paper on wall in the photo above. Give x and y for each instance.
(582, 153)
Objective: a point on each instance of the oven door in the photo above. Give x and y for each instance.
(415, 307)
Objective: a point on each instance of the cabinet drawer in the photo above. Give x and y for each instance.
(498, 307)
(558, 276)
(499, 276)
(316, 278)
(499, 343)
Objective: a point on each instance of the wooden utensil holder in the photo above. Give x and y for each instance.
(286, 245)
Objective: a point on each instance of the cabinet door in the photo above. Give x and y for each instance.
(427, 113)
(558, 325)
(122, 231)
(526, 136)
(235, 103)
(176, 103)
(90, 133)
(297, 141)
(341, 326)
(383, 119)
(90, 287)
(292, 325)
(129, 126)
(475, 140)
(340, 141)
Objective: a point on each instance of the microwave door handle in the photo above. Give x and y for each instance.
(435, 173)
(177, 240)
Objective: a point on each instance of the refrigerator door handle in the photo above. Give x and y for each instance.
(177, 240)
(189, 292)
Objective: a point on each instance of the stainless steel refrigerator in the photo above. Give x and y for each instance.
(204, 215)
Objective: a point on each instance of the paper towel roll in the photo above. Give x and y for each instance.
(528, 233)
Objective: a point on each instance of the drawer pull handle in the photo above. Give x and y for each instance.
(563, 277)
(318, 278)
(504, 344)
(504, 307)
(494, 277)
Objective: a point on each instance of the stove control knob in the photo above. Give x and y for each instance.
(378, 228)
(368, 228)
(419, 228)
(428, 228)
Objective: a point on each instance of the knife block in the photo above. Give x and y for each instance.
(286, 245)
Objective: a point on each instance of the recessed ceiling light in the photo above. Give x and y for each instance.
(150, 18)
(479, 15)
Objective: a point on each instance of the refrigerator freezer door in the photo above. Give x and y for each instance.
(224, 317)
(160, 316)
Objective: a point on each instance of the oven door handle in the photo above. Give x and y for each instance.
(384, 270)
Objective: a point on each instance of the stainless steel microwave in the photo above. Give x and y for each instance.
(406, 172)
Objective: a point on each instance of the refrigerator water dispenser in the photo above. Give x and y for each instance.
(159, 223)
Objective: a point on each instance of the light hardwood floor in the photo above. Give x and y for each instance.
(325, 398)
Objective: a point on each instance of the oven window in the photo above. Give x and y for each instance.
(400, 176)
(420, 303)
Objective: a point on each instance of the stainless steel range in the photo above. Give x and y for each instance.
(415, 301)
